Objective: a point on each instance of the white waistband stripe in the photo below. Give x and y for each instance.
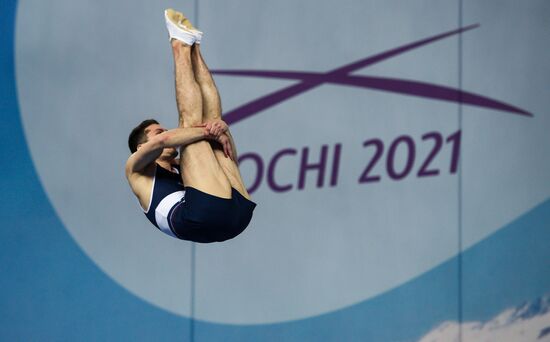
(161, 213)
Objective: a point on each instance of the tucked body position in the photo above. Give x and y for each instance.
(199, 196)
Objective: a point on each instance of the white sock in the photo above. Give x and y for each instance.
(198, 36)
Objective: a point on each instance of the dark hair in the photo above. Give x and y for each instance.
(138, 136)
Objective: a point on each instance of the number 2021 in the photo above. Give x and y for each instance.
(405, 141)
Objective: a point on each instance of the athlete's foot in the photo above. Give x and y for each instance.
(180, 28)
(187, 24)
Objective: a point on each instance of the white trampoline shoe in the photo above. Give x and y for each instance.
(186, 23)
(180, 28)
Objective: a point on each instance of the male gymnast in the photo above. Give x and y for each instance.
(201, 196)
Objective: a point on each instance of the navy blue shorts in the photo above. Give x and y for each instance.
(201, 217)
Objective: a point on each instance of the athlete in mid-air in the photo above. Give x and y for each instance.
(201, 196)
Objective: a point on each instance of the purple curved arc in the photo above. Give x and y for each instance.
(427, 90)
(287, 75)
(310, 80)
(400, 86)
(264, 102)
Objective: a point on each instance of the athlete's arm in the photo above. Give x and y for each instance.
(185, 136)
(145, 155)
(152, 149)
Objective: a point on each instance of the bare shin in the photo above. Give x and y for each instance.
(199, 165)
(188, 93)
(212, 110)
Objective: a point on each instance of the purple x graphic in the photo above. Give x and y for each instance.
(341, 75)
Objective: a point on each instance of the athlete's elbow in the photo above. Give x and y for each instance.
(160, 141)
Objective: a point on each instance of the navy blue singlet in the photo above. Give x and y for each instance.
(189, 214)
(167, 186)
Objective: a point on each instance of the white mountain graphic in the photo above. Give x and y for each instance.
(529, 322)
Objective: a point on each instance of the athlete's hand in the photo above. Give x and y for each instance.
(215, 130)
(216, 127)
(224, 140)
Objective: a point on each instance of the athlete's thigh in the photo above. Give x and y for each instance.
(200, 169)
(231, 170)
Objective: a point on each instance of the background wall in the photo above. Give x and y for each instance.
(397, 150)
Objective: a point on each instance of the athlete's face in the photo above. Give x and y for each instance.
(156, 129)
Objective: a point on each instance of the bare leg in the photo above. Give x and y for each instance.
(211, 105)
(199, 166)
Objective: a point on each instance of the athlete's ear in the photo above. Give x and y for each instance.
(138, 146)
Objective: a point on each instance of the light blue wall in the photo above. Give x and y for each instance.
(395, 259)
